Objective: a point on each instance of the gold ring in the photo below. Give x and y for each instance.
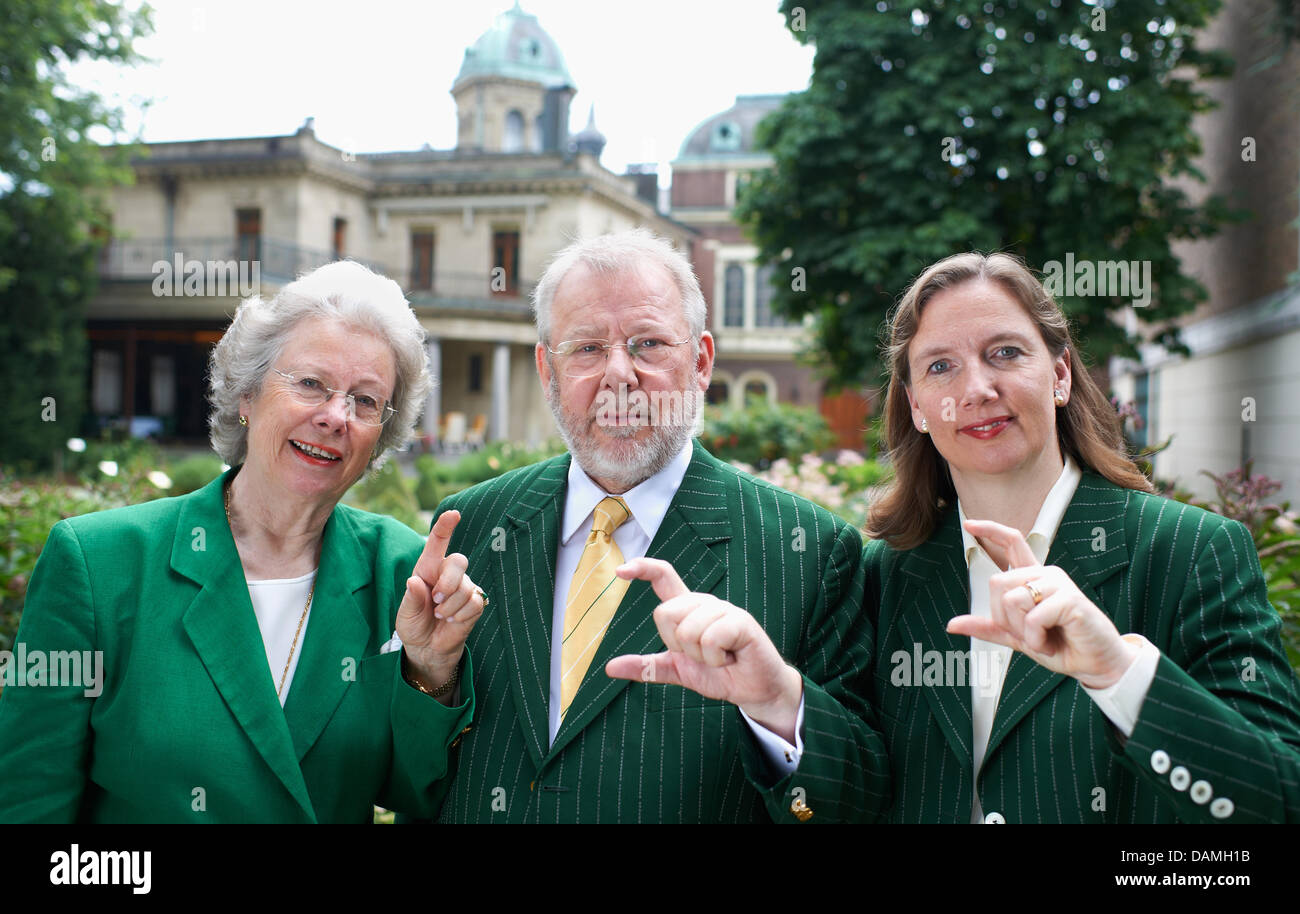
(483, 595)
(1034, 592)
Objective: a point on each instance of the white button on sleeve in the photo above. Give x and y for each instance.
(1160, 761)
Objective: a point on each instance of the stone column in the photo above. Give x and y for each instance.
(433, 402)
(499, 424)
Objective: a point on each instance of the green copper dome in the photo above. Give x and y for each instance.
(518, 48)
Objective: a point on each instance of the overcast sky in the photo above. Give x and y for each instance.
(377, 74)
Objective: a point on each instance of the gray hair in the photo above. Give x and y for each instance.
(344, 291)
(614, 253)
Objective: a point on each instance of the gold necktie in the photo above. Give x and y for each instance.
(594, 594)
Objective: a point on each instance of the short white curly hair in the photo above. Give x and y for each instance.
(344, 291)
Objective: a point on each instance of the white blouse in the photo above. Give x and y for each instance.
(278, 605)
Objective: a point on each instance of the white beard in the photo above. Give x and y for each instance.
(638, 460)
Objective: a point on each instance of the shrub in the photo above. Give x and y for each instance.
(386, 491)
(1243, 496)
(760, 433)
(30, 508)
(815, 479)
(193, 473)
(857, 474)
(438, 480)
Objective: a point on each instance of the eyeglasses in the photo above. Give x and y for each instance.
(585, 358)
(366, 408)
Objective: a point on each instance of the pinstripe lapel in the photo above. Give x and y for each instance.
(936, 588)
(1090, 546)
(686, 539)
(529, 555)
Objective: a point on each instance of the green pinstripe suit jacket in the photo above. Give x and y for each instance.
(642, 752)
(188, 727)
(1224, 708)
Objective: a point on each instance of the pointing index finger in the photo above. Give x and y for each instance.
(661, 575)
(429, 564)
(1012, 541)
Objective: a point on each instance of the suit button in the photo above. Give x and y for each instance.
(1160, 761)
(1201, 792)
(995, 818)
(1221, 808)
(1179, 778)
(801, 810)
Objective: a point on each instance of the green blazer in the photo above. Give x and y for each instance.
(1224, 708)
(640, 752)
(188, 727)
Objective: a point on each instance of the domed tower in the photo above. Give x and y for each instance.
(513, 90)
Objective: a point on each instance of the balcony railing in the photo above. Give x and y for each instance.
(279, 262)
(477, 291)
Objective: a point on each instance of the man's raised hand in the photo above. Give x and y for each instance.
(713, 648)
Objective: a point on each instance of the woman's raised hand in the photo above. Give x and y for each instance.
(440, 607)
(1050, 621)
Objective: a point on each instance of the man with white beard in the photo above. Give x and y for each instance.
(668, 639)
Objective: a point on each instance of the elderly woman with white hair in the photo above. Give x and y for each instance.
(237, 643)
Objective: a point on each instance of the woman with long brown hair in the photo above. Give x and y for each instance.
(1055, 643)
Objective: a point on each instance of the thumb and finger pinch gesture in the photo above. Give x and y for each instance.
(714, 648)
(1041, 612)
(439, 608)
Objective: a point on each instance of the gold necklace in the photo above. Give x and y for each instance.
(301, 619)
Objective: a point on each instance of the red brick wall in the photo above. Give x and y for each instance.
(699, 188)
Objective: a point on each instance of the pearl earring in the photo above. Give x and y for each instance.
(1058, 398)
(243, 420)
(925, 425)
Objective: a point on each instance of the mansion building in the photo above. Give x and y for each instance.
(466, 232)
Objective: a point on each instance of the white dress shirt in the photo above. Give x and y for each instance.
(988, 663)
(648, 503)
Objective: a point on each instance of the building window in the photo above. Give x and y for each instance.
(422, 261)
(162, 385)
(514, 136)
(339, 239)
(764, 316)
(101, 235)
(505, 263)
(757, 386)
(530, 48)
(726, 137)
(718, 394)
(539, 131)
(106, 382)
(755, 391)
(476, 373)
(248, 234)
(733, 308)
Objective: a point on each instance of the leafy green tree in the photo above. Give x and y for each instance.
(52, 211)
(932, 127)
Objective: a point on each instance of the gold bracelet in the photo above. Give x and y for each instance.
(433, 693)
